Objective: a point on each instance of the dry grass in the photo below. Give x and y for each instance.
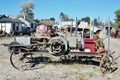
(54, 71)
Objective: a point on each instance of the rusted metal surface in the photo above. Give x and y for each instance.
(62, 46)
(21, 58)
(108, 64)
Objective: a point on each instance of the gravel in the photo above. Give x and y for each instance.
(56, 71)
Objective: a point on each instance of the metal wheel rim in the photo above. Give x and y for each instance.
(107, 67)
(63, 46)
(19, 62)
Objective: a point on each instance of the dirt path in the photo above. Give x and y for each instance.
(55, 71)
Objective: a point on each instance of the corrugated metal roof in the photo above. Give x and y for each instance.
(1, 16)
(5, 19)
(31, 21)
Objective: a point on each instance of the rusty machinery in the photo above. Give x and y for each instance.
(22, 48)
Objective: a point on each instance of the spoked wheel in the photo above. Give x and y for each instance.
(107, 64)
(58, 46)
(21, 59)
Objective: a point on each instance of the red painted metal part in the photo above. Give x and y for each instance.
(89, 44)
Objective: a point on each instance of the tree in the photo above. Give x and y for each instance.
(37, 20)
(52, 19)
(27, 10)
(64, 17)
(117, 19)
(113, 25)
(71, 19)
(86, 19)
(95, 22)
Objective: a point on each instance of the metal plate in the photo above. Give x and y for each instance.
(24, 40)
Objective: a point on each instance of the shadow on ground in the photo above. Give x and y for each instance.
(41, 62)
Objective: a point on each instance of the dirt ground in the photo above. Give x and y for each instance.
(56, 70)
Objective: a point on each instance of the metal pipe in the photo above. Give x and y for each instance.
(93, 29)
(90, 29)
(83, 35)
(109, 36)
(60, 25)
(76, 27)
(71, 29)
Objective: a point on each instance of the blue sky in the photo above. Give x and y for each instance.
(73, 8)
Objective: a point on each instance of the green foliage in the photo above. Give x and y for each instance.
(97, 22)
(37, 20)
(113, 25)
(86, 19)
(52, 19)
(27, 10)
(71, 19)
(117, 19)
(64, 17)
